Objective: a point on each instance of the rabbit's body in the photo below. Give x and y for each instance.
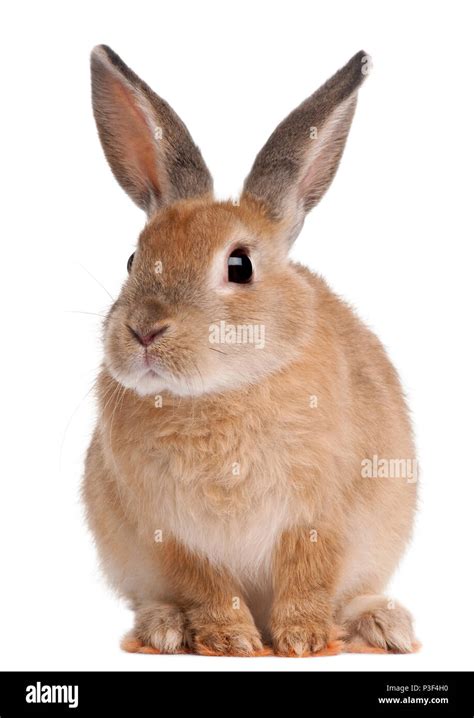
(227, 474)
(225, 484)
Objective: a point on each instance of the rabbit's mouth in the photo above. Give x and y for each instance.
(150, 373)
(147, 376)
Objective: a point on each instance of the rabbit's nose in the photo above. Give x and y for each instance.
(145, 339)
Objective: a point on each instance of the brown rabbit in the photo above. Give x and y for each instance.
(247, 477)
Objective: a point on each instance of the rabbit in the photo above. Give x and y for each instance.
(233, 486)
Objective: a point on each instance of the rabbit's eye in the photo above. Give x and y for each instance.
(130, 262)
(240, 268)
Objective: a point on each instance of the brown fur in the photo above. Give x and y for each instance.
(304, 575)
(233, 513)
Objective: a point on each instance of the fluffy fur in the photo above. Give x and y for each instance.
(223, 483)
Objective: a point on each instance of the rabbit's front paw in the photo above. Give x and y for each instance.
(225, 637)
(228, 640)
(301, 637)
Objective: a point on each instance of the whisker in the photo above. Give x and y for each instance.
(213, 349)
(70, 422)
(78, 311)
(118, 402)
(96, 280)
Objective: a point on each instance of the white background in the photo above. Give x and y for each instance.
(393, 236)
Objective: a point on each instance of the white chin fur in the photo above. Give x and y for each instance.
(146, 384)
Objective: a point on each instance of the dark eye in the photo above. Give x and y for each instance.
(130, 262)
(239, 267)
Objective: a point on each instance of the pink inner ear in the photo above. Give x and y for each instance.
(323, 159)
(324, 154)
(308, 188)
(136, 147)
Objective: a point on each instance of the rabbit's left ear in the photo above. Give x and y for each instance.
(147, 145)
(297, 164)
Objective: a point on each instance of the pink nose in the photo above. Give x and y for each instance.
(146, 339)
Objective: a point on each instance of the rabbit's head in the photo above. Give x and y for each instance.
(212, 301)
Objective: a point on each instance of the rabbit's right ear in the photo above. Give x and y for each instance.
(148, 147)
(297, 164)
